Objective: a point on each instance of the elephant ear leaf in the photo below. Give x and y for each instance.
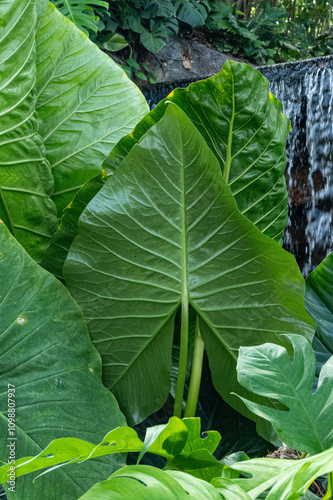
(165, 231)
(85, 105)
(53, 374)
(62, 239)
(244, 127)
(26, 181)
(268, 371)
(319, 304)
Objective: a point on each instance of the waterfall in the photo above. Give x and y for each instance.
(306, 91)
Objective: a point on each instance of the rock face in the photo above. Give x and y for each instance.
(182, 59)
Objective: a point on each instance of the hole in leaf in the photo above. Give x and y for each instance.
(133, 478)
(109, 444)
(48, 456)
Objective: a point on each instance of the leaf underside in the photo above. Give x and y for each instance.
(244, 127)
(165, 225)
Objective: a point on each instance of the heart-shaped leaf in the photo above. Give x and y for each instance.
(165, 231)
(267, 370)
(53, 375)
(243, 126)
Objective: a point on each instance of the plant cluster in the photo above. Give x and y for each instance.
(264, 32)
(128, 257)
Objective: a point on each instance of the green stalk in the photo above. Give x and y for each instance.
(329, 492)
(177, 411)
(193, 393)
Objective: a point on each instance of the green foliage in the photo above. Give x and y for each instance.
(267, 31)
(47, 357)
(153, 22)
(181, 233)
(180, 441)
(285, 479)
(149, 483)
(200, 249)
(267, 370)
(319, 304)
(59, 98)
(81, 12)
(62, 239)
(244, 127)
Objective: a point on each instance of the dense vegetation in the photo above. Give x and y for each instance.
(141, 263)
(263, 31)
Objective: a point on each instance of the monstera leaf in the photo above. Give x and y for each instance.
(285, 479)
(149, 483)
(267, 370)
(165, 232)
(243, 125)
(165, 440)
(64, 105)
(319, 304)
(50, 373)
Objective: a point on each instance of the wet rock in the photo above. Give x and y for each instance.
(182, 59)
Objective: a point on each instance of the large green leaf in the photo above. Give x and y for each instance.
(165, 231)
(267, 370)
(47, 356)
(26, 181)
(243, 125)
(56, 88)
(62, 239)
(149, 483)
(286, 479)
(319, 304)
(86, 103)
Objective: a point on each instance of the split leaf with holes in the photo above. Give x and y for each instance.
(164, 232)
(267, 370)
(149, 483)
(244, 127)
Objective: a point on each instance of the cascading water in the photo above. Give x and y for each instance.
(306, 91)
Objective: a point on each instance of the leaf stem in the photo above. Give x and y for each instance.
(177, 411)
(329, 492)
(193, 393)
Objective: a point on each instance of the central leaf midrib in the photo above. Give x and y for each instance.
(228, 158)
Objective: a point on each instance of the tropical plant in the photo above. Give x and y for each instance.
(168, 249)
(64, 105)
(82, 12)
(268, 371)
(53, 371)
(164, 233)
(189, 462)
